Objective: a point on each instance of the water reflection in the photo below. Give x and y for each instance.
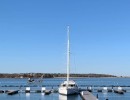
(27, 96)
(42, 94)
(62, 97)
(70, 97)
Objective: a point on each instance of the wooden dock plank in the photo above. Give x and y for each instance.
(86, 95)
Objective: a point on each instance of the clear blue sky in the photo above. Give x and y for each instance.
(33, 36)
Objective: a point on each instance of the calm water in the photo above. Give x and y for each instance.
(7, 84)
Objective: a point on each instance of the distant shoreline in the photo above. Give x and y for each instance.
(60, 77)
(53, 75)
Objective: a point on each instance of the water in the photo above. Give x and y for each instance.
(7, 84)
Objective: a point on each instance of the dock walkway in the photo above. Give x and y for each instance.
(86, 95)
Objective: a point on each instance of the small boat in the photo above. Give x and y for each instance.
(35, 81)
(30, 80)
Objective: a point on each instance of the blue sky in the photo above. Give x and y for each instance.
(33, 36)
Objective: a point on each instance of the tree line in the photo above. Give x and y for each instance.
(49, 75)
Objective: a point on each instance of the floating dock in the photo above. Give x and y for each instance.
(86, 95)
(11, 92)
(119, 91)
(47, 92)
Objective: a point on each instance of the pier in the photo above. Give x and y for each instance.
(86, 95)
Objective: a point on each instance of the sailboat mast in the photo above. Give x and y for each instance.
(68, 54)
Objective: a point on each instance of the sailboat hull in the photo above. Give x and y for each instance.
(70, 91)
(68, 88)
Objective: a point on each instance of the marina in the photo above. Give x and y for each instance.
(64, 50)
(49, 88)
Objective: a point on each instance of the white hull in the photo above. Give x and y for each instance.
(65, 91)
(67, 88)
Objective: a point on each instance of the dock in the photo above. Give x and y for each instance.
(86, 95)
(119, 91)
(11, 92)
(47, 92)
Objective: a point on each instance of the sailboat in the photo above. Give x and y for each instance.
(69, 86)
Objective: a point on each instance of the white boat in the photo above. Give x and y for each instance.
(35, 81)
(69, 86)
